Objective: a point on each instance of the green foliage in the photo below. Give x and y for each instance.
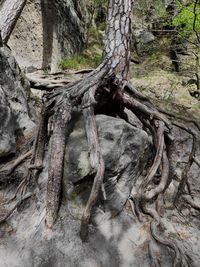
(185, 18)
(160, 9)
(80, 61)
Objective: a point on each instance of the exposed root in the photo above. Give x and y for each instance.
(196, 161)
(154, 192)
(96, 161)
(57, 151)
(179, 117)
(184, 175)
(179, 258)
(40, 141)
(28, 195)
(158, 157)
(5, 173)
(160, 205)
(191, 202)
(133, 105)
(94, 94)
(154, 253)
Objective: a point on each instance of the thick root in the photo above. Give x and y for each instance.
(96, 161)
(56, 157)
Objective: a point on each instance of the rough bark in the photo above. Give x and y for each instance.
(112, 72)
(10, 11)
(56, 157)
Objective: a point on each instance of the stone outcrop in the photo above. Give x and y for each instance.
(113, 241)
(15, 111)
(125, 150)
(144, 42)
(47, 31)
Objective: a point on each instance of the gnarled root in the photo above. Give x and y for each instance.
(184, 175)
(96, 161)
(56, 158)
(180, 258)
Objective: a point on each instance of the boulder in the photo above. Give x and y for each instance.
(14, 107)
(144, 42)
(47, 31)
(113, 241)
(125, 150)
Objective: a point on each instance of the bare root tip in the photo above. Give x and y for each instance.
(49, 225)
(36, 167)
(84, 233)
(50, 221)
(84, 227)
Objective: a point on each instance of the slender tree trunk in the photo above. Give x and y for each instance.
(10, 11)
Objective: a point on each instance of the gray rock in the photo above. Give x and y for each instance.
(125, 150)
(118, 241)
(47, 31)
(144, 42)
(7, 128)
(14, 107)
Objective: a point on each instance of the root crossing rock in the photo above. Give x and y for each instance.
(125, 150)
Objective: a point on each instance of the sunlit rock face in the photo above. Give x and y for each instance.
(47, 31)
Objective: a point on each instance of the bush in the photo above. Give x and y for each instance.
(185, 19)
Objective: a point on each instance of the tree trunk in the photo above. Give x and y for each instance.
(112, 72)
(108, 79)
(10, 11)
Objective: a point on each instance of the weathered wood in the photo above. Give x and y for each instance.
(158, 157)
(96, 160)
(40, 141)
(56, 158)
